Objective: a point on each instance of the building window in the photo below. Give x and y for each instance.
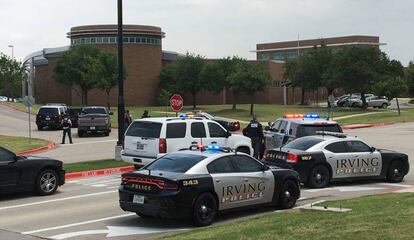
(112, 40)
(263, 57)
(131, 39)
(291, 55)
(93, 40)
(278, 56)
(87, 41)
(99, 40)
(126, 40)
(105, 40)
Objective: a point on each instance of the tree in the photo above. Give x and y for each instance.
(212, 77)
(410, 78)
(11, 76)
(391, 87)
(228, 66)
(79, 67)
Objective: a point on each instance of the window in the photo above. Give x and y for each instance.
(358, 146)
(99, 40)
(291, 55)
(175, 162)
(283, 126)
(307, 130)
(93, 40)
(176, 130)
(87, 41)
(338, 147)
(293, 128)
(245, 164)
(221, 165)
(126, 40)
(139, 40)
(5, 155)
(216, 131)
(198, 130)
(278, 56)
(276, 125)
(94, 110)
(48, 111)
(304, 143)
(82, 41)
(112, 40)
(105, 40)
(263, 57)
(131, 39)
(144, 129)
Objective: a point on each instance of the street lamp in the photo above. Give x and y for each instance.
(121, 104)
(12, 48)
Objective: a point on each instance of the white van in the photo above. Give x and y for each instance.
(147, 139)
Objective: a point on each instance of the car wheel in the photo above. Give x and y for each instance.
(289, 194)
(318, 177)
(396, 171)
(107, 133)
(47, 182)
(204, 210)
(384, 105)
(243, 150)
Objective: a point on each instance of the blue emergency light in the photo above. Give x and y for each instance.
(312, 116)
(213, 148)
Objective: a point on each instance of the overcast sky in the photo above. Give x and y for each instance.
(212, 28)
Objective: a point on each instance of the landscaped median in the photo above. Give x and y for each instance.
(388, 216)
(96, 168)
(22, 146)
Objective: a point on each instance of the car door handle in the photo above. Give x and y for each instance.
(218, 180)
(194, 142)
(246, 179)
(214, 142)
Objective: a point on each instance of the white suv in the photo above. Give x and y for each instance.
(149, 138)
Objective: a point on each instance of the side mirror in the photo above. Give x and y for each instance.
(228, 134)
(111, 113)
(265, 168)
(282, 131)
(267, 128)
(373, 149)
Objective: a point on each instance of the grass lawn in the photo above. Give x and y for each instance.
(18, 144)
(386, 116)
(389, 216)
(93, 165)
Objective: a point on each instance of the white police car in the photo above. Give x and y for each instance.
(328, 157)
(293, 126)
(149, 138)
(201, 182)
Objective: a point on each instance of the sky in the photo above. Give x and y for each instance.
(212, 28)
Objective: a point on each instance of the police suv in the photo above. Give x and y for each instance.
(149, 138)
(293, 126)
(328, 157)
(203, 181)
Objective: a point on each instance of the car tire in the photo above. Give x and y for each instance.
(204, 210)
(143, 215)
(39, 128)
(289, 194)
(107, 133)
(47, 182)
(396, 171)
(80, 133)
(319, 177)
(384, 105)
(243, 150)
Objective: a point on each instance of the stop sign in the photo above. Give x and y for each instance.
(176, 102)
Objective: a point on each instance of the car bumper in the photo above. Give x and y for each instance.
(47, 123)
(160, 207)
(136, 160)
(62, 177)
(93, 128)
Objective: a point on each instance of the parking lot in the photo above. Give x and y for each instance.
(88, 208)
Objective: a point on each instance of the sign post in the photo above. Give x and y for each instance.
(176, 103)
(29, 101)
(331, 100)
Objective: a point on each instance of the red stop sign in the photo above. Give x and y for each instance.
(176, 102)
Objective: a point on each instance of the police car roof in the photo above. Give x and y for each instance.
(309, 120)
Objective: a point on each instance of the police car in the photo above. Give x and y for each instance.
(328, 157)
(201, 182)
(293, 126)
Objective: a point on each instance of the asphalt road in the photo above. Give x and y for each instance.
(96, 147)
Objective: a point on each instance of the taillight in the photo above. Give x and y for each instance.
(292, 158)
(163, 145)
(106, 121)
(236, 126)
(124, 180)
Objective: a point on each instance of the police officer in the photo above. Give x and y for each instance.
(255, 132)
(66, 125)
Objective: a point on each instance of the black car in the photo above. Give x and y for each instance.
(327, 157)
(50, 116)
(21, 173)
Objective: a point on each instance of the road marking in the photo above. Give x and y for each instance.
(345, 189)
(115, 231)
(57, 200)
(82, 143)
(78, 224)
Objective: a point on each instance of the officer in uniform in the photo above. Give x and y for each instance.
(255, 132)
(66, 125)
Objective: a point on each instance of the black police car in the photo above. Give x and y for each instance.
(20, 173)
(330, 156)
(199, 184)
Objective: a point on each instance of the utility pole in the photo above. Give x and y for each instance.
(12, 48)
(121, 104)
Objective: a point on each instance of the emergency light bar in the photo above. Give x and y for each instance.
(309, 116)
(186, 115)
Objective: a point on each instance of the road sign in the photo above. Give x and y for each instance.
(28, 101)
(176, 102)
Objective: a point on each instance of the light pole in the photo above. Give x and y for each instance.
(121, 104)
(11, 46)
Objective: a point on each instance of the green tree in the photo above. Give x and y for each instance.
(228, 66)
(391, 87)
(79, 67)
(11, 76)
(212, 77)
(410, 78)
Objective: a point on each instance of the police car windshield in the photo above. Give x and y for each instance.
(175, 162)
(311, 129)
(303, 143)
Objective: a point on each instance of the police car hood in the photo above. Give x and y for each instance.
(386, 151)
(160, 174)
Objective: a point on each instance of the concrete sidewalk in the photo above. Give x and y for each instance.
(16, 236)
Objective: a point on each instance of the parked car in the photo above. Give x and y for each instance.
(231, 125)
(149, 138)
(374, 101)
(355, 100)
(50, 116)
(21, 173)
(93, 120)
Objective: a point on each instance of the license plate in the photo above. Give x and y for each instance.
(138, 199)
(48, 118)
(140, 146)
(92, 128)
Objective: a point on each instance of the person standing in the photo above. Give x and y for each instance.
(127, 119)
(66, 125)
(254, 131)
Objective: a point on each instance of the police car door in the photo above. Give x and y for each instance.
(365, 161)
(217, 134)
(270, 135)
(280, 135)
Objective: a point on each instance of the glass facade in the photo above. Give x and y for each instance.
(278, 56)
(263, 57)
(112, 40)
(291, 55)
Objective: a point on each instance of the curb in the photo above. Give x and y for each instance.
(98, 172)
(17, 109)
(356, 126)
(38, 150)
